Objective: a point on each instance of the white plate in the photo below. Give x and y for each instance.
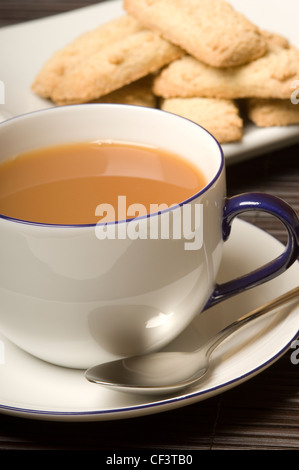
(37, 390)
(25, 48)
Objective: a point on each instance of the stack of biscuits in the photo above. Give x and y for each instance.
(200, 59)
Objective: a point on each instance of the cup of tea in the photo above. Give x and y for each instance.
(112, 225)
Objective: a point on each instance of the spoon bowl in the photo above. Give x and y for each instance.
(168, 372)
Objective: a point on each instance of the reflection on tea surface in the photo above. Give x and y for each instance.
(65, 184)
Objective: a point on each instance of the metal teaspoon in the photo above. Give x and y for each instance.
(168, 372)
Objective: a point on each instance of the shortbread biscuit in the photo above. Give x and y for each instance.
(115, 66)
(275, 39)
(209, 30)
(270, 113)
(138, 93)
(270, 76)
(79, 49)
(220, 117)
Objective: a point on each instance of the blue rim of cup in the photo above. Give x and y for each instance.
(187, 201)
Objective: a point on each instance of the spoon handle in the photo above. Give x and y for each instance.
(287, 299)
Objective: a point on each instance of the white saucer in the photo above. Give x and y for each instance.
(31, 43)
(37, 390)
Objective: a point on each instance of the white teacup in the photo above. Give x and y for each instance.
(73, 297)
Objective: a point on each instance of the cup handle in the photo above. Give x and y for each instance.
(276, 207)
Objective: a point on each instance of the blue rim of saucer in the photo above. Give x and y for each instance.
(156, 404)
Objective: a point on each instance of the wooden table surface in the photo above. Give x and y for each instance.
(261, 414)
